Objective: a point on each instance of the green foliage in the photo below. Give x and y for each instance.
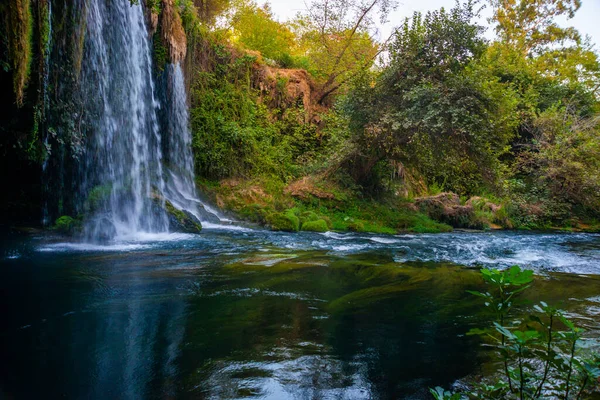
(160, 52)
(155, 6)
(189, 16)
(431, 108)
(65, 224)
(531, 26)
(238, 130)
(209, 10)
(440, 394)
(256, 28)
(283, 221)
(315, 226)
(540, 360)
(308, 216)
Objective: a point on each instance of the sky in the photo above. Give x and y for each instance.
(587, 19)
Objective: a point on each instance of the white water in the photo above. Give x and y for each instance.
(577, 253)
(124, 153)
(124, 149)
(180, 189)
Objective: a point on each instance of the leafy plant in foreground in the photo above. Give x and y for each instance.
(544, 356)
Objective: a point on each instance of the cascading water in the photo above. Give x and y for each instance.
(122, 168)
(123, 182)
(180, 189)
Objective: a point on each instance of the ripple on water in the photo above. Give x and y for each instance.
(571, 253)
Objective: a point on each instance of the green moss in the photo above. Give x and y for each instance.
(356, 226)
(155, 6)
(65, 224)
(19, 32)
(308, 216)
(181, 220)
(253, 213)
(285, 221)
(97, 197)
(315, 226)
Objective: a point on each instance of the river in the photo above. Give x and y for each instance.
(239, 313)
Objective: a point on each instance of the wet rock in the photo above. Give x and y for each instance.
(207, 216)
(445, 207)
(182, 220)
(172, 31)
(100, 229)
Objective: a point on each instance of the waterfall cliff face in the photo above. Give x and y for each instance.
(131, 153)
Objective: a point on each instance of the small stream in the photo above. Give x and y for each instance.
(242, 313)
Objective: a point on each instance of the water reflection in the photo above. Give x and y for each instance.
(220, 318)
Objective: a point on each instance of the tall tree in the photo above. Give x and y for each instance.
(256, 28)
(530, 25)
(339, 38)
(432, 108)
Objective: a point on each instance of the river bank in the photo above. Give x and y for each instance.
(326, 205)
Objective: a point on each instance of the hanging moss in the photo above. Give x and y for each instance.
(159, 51)
(18, 25)
(42, 15)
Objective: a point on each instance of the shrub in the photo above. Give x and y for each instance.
(541, 357)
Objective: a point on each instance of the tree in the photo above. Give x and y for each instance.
(529, 28)
(530, 25)
(432, 108)
(209, 10)
(338, 38)
(256, 29)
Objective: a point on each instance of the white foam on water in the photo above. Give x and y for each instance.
(350, 247)
(225, 227)
(13, 255)
(383, 240)
(88, 247)
(338, 236)
(135, 237)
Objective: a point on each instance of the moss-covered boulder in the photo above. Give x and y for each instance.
(308, 216)
(315, 226)
(66, 225)
(285, 221)
(182, 220)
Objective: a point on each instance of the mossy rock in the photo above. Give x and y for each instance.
(328, 222)
(181, 220)
(315, 226)
(308, 216)
(254, 213)
(356, 226)
(66, 224)
(285, 221)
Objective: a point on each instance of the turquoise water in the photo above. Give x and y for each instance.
(242, 313)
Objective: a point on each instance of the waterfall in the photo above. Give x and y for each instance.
(180, 189)
(120, 147)
(122, 167)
